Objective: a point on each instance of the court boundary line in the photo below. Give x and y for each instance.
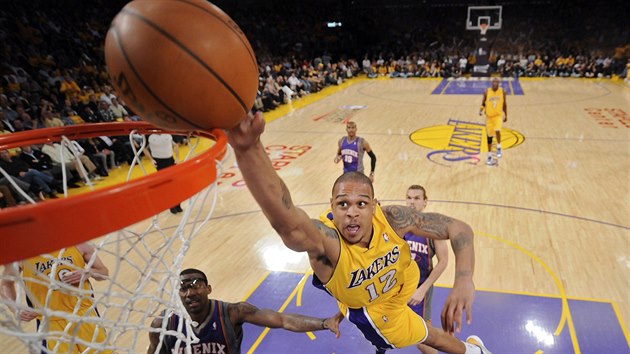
(286, 303)
(565, 316)
(581, 218)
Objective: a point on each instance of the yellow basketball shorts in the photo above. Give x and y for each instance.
(391, 324)
(62, 337)
(493, 124)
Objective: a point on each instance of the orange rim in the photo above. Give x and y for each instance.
(33, 229)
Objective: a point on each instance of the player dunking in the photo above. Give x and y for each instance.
(494, 105)
(350, 150)
(422, 251)
(359, 256)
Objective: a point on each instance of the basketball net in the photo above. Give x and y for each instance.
(144, 262)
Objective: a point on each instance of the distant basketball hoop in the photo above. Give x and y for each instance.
(484, 18)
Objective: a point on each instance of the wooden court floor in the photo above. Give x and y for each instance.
(553, 218)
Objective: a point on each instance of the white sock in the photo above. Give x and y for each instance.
(472, 349)
(498, 146)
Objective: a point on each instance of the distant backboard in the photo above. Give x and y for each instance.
(490, 15)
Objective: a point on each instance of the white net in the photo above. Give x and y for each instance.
(112, 314)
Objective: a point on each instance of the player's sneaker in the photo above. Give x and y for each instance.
(499, 152)
(490, 161)
(474, 340)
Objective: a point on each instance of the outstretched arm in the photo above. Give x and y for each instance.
(441, 227)
(298, 232)
(246, 312)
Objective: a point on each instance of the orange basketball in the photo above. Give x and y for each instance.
(182, 65)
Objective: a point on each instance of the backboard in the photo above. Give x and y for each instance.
(490, 15)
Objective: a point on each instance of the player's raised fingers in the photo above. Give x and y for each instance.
(468, 313)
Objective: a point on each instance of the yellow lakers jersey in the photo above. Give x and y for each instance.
(494, 102)
(38, 279)
(374, 275)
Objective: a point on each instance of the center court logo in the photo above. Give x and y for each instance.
(460, 142)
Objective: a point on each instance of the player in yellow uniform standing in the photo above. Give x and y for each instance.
(358, 255)
(59, 281)
(494, 105)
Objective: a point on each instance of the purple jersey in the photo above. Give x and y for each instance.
(216, 335)
(351, 154)
(422, 251)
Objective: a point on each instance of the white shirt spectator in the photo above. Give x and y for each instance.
(161, 146)
(293, 81)
(463, 62)
(366, 63)
(118, 110)
(107, 97)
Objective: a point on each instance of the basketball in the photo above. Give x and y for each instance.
(182, 65)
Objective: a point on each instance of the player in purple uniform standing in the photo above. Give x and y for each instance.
(218, 324)
(350, 150)
(422, 252)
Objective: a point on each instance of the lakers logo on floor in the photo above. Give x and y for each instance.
(460, 141)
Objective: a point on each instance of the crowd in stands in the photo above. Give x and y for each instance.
(53, 73)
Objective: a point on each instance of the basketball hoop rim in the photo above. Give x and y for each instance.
(30, 230)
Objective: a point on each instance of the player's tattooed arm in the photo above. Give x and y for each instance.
(325, 230)
(328, 233)
(404, 219)
(286, 195)
(437, 226)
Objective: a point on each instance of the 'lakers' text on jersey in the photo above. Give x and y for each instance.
(41, 275)
(372, 286)
(38, 280)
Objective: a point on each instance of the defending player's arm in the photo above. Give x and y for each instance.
(368, 149)
(441, 252)
(246, 312)
(7, 292)
(297, 230)
(441, 227)
(154, 338)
